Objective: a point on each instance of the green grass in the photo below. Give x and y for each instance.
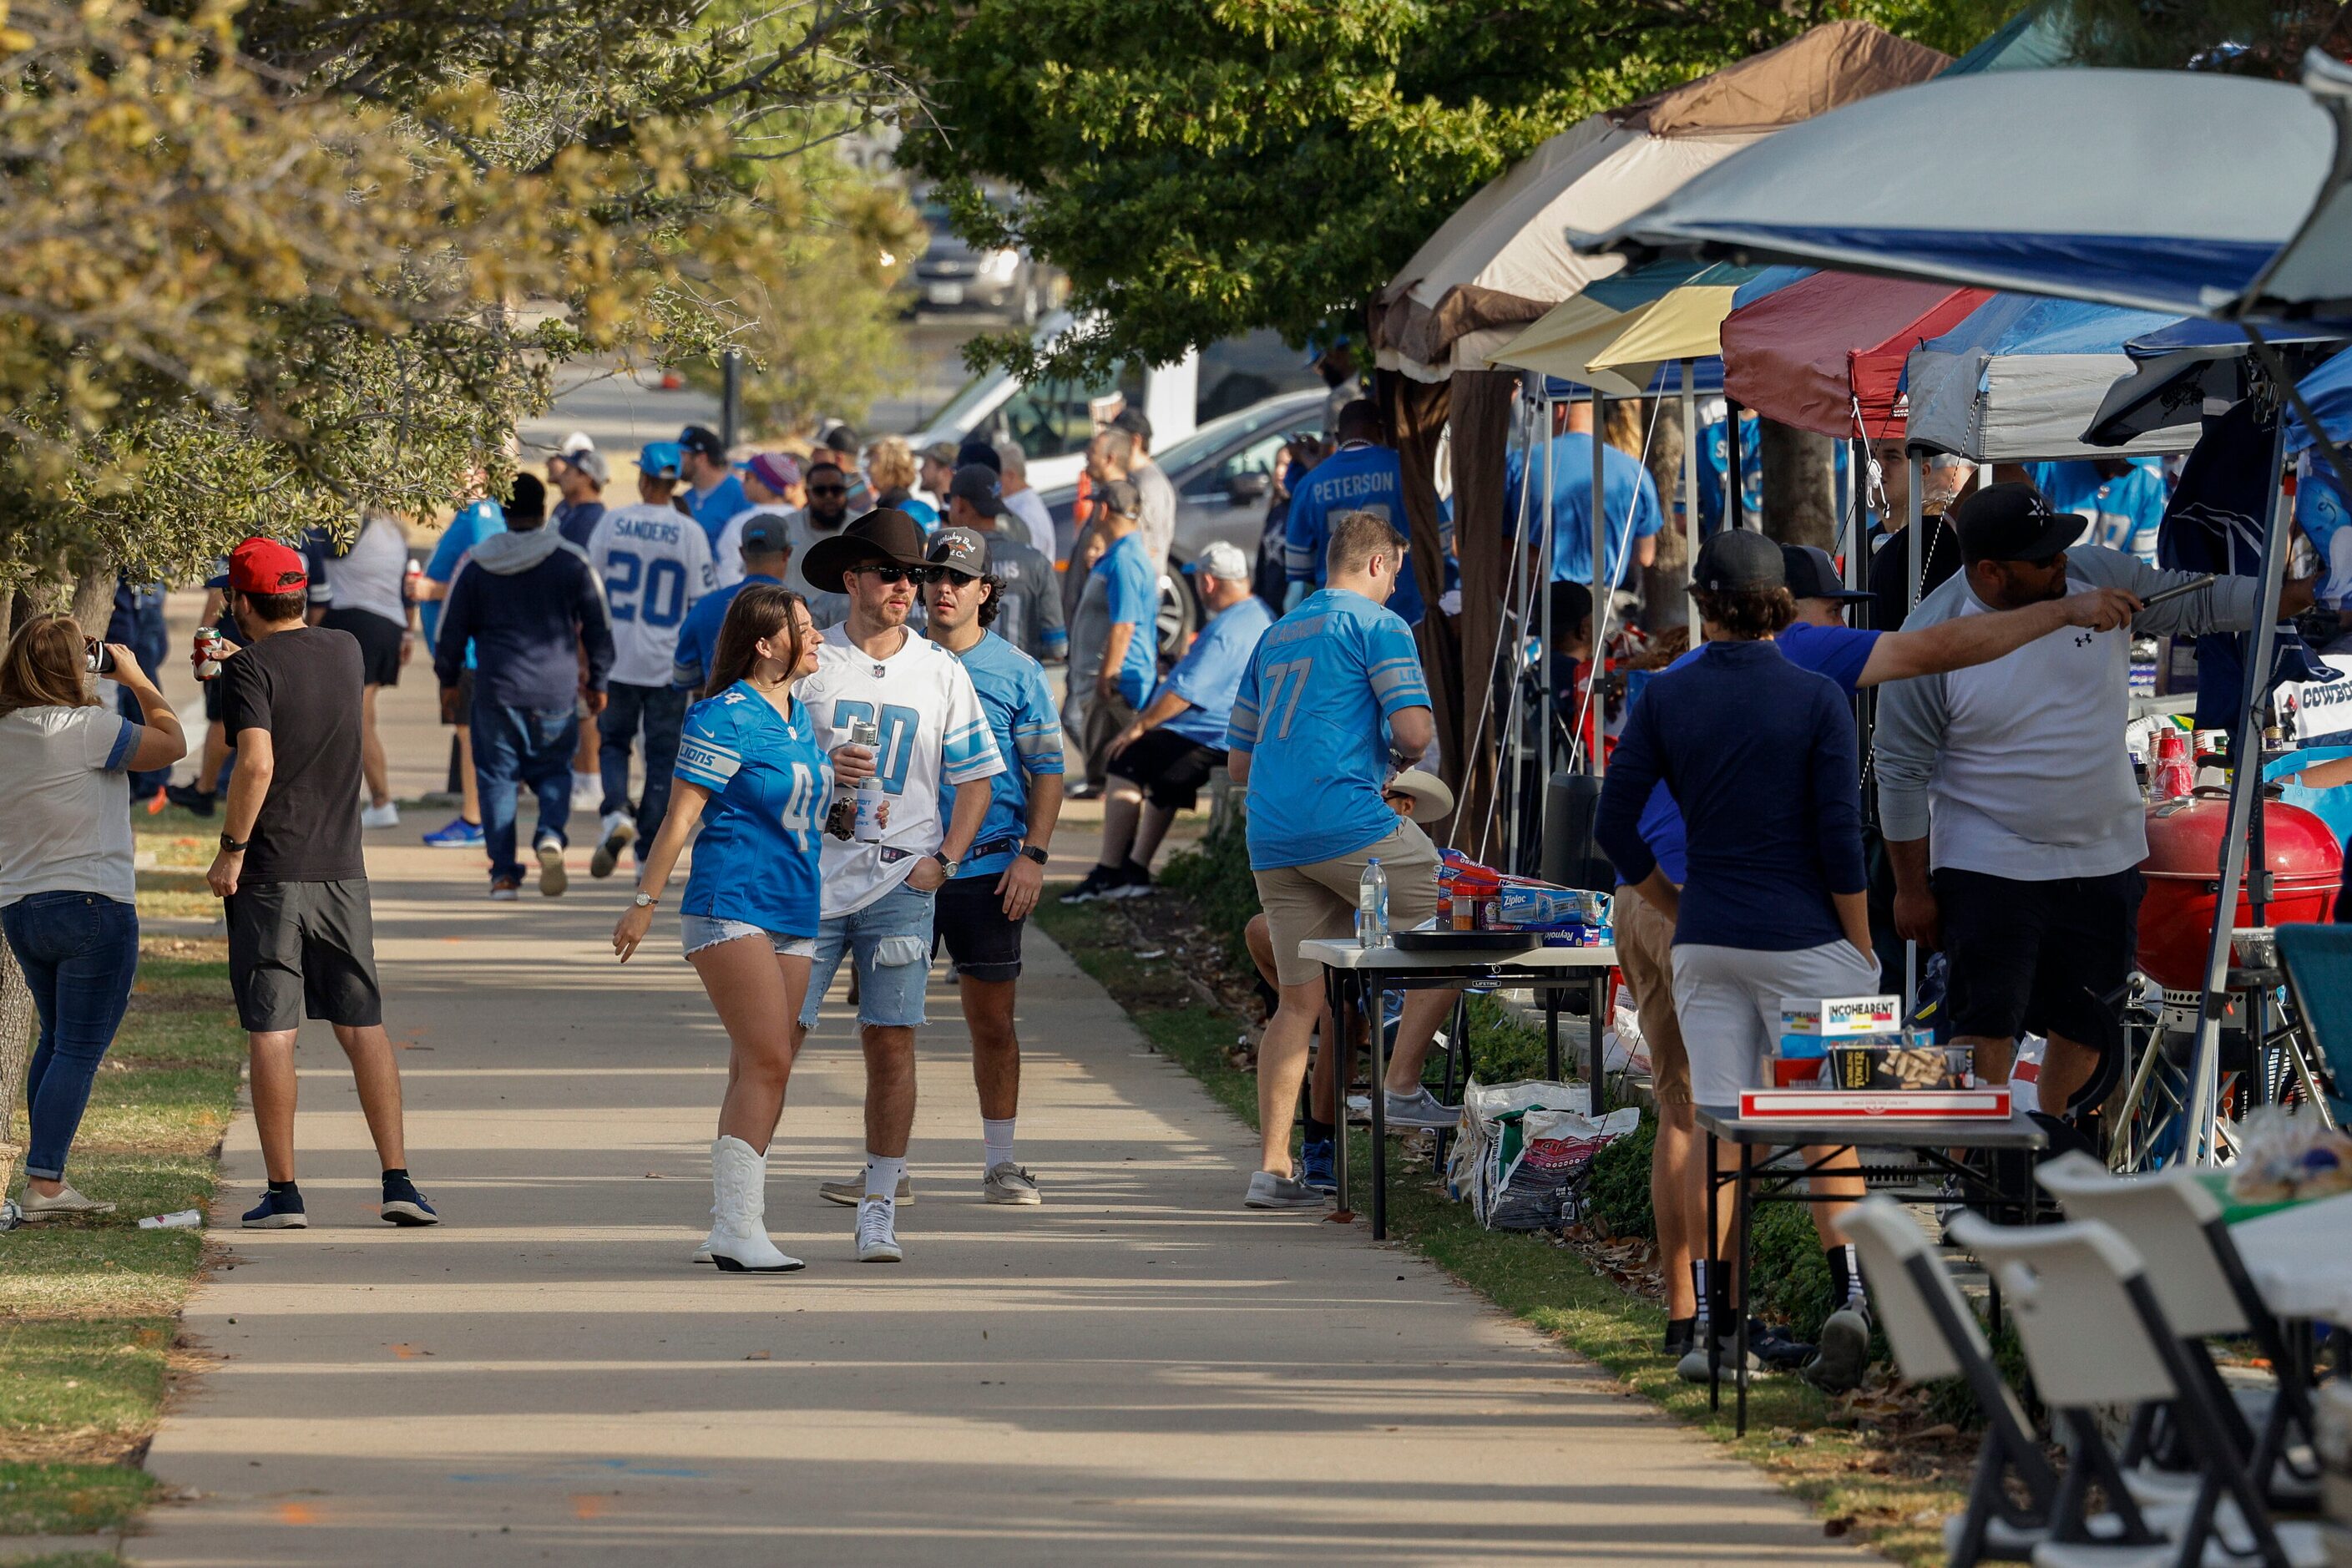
(1831, 1453)
(87, 1307)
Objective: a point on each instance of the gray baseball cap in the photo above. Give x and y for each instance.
(960, 548)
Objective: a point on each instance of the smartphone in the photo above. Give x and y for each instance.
(98, 658)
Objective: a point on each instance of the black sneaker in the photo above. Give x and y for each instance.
(403, 1204)
(1682, 1333)
(1134, 882)
(1102, 882)
(190, 798)
(1776, 1348)
(279, 1210)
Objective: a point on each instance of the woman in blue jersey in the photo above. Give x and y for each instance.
(748, 771)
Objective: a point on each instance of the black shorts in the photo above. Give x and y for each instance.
(379, 642)
(2045, 957)
(968, 920)
(1168, 767)
(303, 949)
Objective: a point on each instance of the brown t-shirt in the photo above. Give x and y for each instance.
(303, 687)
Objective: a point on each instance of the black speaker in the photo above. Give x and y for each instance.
(1570, 857)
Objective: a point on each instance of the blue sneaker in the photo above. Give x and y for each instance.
(277, 1211)
(402, 1204)
(459, 835)
(1315, 1166)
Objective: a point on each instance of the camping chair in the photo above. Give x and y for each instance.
(1935, 1335)
(2318, 963)
(2175, 1224)
(2095, 1335)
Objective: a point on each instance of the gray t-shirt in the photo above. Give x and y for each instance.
(68, 825)
(368, 577)
(1029, 609)
(1157, 520)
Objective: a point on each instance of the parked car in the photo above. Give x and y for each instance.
(1223, 474)
(951, 275)
(1052, 420)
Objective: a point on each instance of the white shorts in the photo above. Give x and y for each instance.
(1727, 1001)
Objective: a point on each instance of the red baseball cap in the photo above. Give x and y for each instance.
(266, 566)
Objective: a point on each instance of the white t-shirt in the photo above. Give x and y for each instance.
(655, 563)
(935, 735)
(1029, 508)
(369, 577)
(68, 825)
(727, 551)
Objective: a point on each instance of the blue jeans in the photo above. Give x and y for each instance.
(889, 943)
(661, 711)
(530, 746)
(79, 951)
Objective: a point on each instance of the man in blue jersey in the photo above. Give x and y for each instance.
(1115, 635)
(1179, 739)
(1628, 494)
(1361, 476)
(2122, 497)
(713, 492)
(981, 911)
(475, 522)
(765, 550)
(1331, 706)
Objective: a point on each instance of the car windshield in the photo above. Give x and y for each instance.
(1211, 437)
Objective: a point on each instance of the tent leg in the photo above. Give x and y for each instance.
(1690, 499)
(1735, 479)
(1603, 591)
(1917, 525)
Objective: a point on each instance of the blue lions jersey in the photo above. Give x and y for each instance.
(770, 785)
(1021, 714)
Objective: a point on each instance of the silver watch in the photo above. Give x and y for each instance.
(643, 899)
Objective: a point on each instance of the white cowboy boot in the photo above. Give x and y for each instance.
(739, 1242)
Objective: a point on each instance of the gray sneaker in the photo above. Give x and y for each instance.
(1845, 1353)
(1692, 1368)
(1268, 1191)
(1418, 1109)
(852, 1192)
(1009, 1184)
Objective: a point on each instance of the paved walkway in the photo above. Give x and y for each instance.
(1140, 1372)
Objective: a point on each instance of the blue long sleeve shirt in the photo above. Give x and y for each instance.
(1759, 753)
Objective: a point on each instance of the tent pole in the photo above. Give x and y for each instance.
(1735, 485)
(1602, 592)
(1690, 500)
(1917, 525)
(1547, 700)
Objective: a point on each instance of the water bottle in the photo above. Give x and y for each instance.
(1372, 905)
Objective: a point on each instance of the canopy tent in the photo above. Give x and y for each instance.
(1622, 333)
(2249, 217)
(2328, 392)
(1826, 351)
(2036, 39)
(1501, 261)
(2020, 379)
(2183, 372)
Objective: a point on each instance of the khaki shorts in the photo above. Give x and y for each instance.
(1305, 903)
(1105, 718)
(1645, 951)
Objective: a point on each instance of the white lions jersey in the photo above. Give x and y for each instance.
(655, 563)
(934, 736)
(727, 551)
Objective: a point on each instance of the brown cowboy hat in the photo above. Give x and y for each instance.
(882, 537)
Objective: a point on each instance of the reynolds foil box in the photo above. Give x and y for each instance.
(1840, 1017)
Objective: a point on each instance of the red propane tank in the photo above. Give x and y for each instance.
(2183, 872)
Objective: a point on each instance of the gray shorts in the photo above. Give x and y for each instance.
(303, 949)
(1728, 1002)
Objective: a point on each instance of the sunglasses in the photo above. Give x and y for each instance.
(828, 490)
(902, 573)
(951, 576)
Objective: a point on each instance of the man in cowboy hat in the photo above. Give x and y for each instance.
(935, 738)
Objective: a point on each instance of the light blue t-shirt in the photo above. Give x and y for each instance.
(1028, 730)
(2125, 512)
(1211, 671)
(698, 636)
(756, 860)
(1133, 597)
(1313, 713)
(1627, 490)
(474, 523)
(722, 503)
(1359, 476)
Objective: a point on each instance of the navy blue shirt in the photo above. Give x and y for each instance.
(1760, 756)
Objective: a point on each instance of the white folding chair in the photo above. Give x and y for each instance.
(2175, 1224)
(2095, 1335)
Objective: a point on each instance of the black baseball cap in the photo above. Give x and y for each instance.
(1119, 496)
(979, 488)
(1813, 575)
(764, 534)
(1134, 421)
(2011, 521)
(975, 450)
(702, 438)
(960, 548)
(1734, 559)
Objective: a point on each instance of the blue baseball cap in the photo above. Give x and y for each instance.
(660, 459)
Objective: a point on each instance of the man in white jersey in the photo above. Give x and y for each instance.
(933, 736)
(655, 563)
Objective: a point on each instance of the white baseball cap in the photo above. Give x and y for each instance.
(1221, 559)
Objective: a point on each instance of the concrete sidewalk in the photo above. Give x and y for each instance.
(1140, 1372)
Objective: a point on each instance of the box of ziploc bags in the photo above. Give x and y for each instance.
(1530, 906)
(1839, 1017)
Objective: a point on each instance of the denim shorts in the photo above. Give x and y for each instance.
(890, 940)
(709, 930)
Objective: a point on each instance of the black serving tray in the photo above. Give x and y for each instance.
(1466, 941)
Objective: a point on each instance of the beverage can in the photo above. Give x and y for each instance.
(869, 812)
(210, 649)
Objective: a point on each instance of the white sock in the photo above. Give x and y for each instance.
(998, 1137)
(883, 1175)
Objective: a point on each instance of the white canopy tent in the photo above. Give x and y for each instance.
(2022, 378)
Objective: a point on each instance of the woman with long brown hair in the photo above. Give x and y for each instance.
(749, 770)
(67, 898)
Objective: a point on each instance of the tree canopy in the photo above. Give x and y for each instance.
(1200, 169)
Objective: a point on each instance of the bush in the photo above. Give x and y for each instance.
(1215, 875)
(1619, 1187)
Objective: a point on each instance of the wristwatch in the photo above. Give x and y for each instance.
(232, 846)
(1031, 852)
(945, 864)
(643, 899)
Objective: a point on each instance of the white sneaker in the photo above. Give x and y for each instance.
(552, 878)
(67, 1203)
(618, 830)
(587, 791)
(877, 1231)
(384, 815)
(1009, 1183)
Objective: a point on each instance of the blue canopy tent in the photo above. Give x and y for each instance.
(2194, 366)
(2018, 379)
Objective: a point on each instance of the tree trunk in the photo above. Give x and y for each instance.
(93, 598)
(1798, 473)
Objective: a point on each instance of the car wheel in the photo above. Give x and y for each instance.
(1179, 614)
